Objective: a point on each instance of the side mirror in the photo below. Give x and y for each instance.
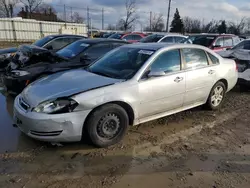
(49, 47)
(154, 73)
(228, 48)
(85, 59)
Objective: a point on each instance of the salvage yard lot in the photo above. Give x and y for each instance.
(195, 148)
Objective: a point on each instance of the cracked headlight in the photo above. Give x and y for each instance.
(19, 73)
(57, 106)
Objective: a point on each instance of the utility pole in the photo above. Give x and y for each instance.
(169, 8)
(102, 18)
(88, 17)
(71, 14)
(64, 13)
(150, 20)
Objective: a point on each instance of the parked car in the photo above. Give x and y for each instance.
(51, 42)
(130, 85)
(117, 35)
(216, 42)
(78, 54)
(170, 38)
(241, 54)
(133, 37)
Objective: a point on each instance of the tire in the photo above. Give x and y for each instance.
(211, 104)
(107, 125)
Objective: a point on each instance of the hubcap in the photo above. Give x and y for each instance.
(217, 96)
(108, 126)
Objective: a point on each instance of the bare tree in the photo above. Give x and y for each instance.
(192, 25)
(111, 27)
(237, 28)
(210, 27)
(32, 4)
(77, 18)
(7, 7)
(44, 7)
(157, 23)
(130, 18)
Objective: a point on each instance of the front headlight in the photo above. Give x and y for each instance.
(19, 73)
(57, 106)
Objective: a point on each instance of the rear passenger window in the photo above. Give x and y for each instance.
(168, 39)
(228, 41)
(214, 59)
(195, 58)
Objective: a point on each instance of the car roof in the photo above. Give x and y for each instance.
(157, 46)
(65, 35)
(211, 34)
(101, 40)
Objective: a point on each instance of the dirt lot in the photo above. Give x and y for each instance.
(196, 148)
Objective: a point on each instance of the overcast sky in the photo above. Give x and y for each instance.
(232, 10)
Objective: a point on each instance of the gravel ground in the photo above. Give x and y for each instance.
(195, 148)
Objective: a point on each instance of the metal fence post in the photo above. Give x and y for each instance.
(13, 30)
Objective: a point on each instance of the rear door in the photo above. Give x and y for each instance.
(200, 75)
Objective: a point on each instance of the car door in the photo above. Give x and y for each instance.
(200, 75)
(163, 93)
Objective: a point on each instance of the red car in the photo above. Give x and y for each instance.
(216, 42)
(133, 37)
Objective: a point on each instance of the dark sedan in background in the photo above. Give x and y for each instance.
(76, 55)
(51, 42)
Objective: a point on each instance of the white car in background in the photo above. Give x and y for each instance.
(170, 38)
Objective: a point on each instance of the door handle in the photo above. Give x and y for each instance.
(178, 79)
(211, 72)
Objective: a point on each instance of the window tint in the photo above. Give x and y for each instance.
(228, 41)
(178, 39)
(214, 59)
(168, 39)
(169, 61)
(236, 40)
(58, 43)
(195, 58)
(247, 45)
(219, 42)
(98, 50)
(137, 37)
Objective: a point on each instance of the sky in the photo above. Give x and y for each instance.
(205, 10)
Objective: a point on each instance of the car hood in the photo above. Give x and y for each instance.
(64, 84)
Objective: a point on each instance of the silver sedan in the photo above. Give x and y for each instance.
(130, 85)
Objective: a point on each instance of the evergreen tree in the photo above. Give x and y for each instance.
(177, 25)
(222, 28)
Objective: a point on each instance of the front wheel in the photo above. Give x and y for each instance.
(107, 125)
(216, 96)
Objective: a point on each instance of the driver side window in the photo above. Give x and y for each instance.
(168, 62)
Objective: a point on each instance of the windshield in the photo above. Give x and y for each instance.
(121, 63)
(151, 38)
(116, 36)
(43, 41)
(203, 40)
(73, 49)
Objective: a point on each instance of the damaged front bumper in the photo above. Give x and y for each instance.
(50, 128)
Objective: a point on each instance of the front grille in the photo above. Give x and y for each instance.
(23, 104)
(54, 133)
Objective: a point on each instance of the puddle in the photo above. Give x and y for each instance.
(11, 138)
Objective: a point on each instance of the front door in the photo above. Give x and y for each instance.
(163, 93)
(200, 76)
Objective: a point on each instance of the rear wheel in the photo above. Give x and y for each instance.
(216, 96)
(107, 125)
